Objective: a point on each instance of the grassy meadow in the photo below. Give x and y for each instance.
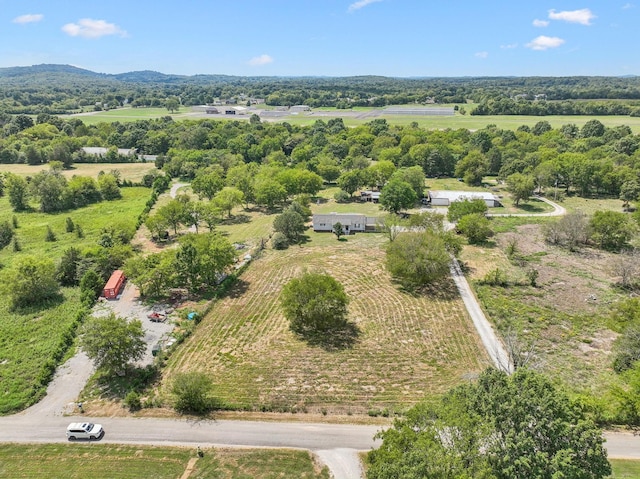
(105, 461)
(128, 171)
(42, 331)
(408, 347)
(359, 116)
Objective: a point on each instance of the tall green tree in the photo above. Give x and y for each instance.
(397, 195)
(228, 198)
(418, 259)
(290, 223)
(501, 427)
(314, 304)
(112, 342)
(18, 191)
(520, 186)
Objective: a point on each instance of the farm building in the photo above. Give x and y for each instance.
(420, 111)
(368, 195)
(351, 222)
(299, 108)
(445, 197)
(114, 285)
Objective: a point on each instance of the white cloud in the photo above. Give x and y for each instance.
(627, 6)
(360, 4)
(583, 16)
(510, 46)
(482, 54)
(540, 23)
(261, 60)
(89, 28)
(544, 43)
(28, 18)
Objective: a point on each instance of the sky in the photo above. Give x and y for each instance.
(397, 38)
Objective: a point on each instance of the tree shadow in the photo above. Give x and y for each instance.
(338, 338)
(33, 308)
(236, 220)
(114, 386)
(239, 288)
(533, 207)
(444, 289)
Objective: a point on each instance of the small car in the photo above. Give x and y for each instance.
(84, 430)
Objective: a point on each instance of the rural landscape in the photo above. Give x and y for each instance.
(319, 276)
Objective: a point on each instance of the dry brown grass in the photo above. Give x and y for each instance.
(129, 171)
(409, 346)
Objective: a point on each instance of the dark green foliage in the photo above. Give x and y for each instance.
(475, 227)
(279, 241)
(610, 230)
(290, 224)
(458, 209)
(495, 277)
(16, 244)
(14, 221)
(79, 231)
(91, 284)
(397, 195)
(69, 226)
(50, 236)
(192, 393)
(418, 259)
(627, 349)
(66, 272)
(112, 342)
(341, 196)
(31, 281)
(6, 234)
(337, 230)
(314, 304)
(502, 427)
(132, 401)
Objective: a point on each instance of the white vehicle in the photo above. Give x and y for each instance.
(84, 430)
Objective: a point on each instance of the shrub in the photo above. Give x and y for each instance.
(132, 401)
(192, 392)
(279, 241)
(458, 209)
(342, 196)
(14, 220)
(475, 227)
(69, 226)
(79, 232)
(495, 277)
(6, 234)
(50, 236)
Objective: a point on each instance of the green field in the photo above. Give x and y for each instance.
(102, 461)
(351, 118)
(42, 332)
(625, 469)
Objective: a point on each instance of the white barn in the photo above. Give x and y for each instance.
(351, 222)
(446, 197)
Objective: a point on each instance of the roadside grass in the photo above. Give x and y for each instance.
(409, 346)
(625, 469)
(591, 205)
(30, 340)
(129, 171)
(71, 461)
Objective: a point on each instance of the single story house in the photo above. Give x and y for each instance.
(446, 197)
(368, 195)
(351, 222)
(100, 151)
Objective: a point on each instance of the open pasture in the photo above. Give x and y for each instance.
(409, 346)
(128, 171)
(360, 116)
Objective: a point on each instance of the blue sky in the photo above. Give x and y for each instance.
(326, 37)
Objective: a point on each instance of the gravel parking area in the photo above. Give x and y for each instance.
(128, 305)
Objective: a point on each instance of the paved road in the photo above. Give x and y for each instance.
(557, 210)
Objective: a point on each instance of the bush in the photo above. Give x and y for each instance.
(495, 277)
(192, 392)
(69, 226)
(342, 196)
(458, 209)
(475, 227)
(279, 241)
(132, 401)
(50, 236)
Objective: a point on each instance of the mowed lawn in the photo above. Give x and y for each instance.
(128, 171)
(410, 347)
(106, 461)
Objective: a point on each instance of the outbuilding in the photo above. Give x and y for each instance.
(446, 197)
(114, 285)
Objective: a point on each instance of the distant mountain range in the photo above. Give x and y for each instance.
(150, 76)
